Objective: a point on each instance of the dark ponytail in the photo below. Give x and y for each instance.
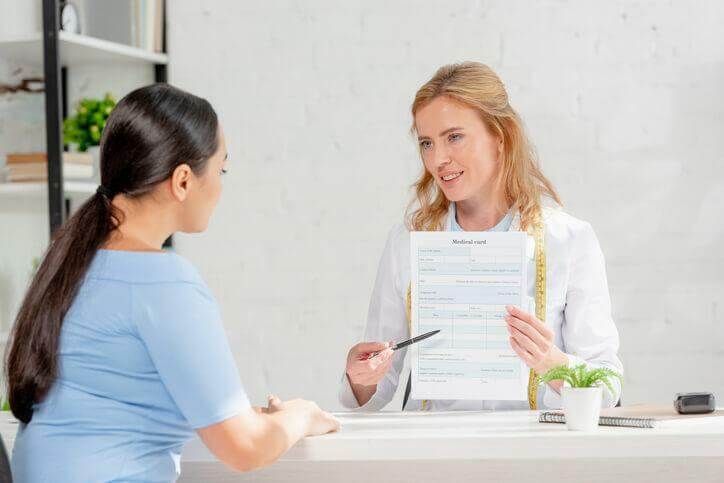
(148, 134)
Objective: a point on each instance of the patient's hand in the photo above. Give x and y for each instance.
(274, 404)
(318, 421)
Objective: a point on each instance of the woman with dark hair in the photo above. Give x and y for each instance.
(118, 352)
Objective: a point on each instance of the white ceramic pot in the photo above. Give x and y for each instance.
(582, 407)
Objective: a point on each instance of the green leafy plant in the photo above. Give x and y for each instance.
(86, 126)
(582, 376)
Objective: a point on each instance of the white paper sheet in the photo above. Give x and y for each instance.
(461, 283)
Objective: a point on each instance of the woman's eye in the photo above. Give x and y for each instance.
(425, 144)
(455, 137)
(223, 171)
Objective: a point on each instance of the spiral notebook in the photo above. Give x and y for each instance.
(642, 416)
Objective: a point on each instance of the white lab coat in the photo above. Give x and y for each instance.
(578, 308)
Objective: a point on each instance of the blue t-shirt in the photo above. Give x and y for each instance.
(503, 224)
(143, 361)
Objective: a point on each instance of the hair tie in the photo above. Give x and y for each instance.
(103, 191)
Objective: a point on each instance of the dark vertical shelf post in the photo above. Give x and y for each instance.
(161, 75)
(159, 71)
(53, 120)
(64, 90)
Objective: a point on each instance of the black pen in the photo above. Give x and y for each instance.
(407, 342)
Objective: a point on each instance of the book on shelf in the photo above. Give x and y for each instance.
(13, 159)
(158, 28)
(148, 24)
(39, 172)
(105, 19)
(26, 167)
(642, 416)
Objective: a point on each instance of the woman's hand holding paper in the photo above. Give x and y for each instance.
(533, 341)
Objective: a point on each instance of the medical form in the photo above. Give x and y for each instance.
(460, 284)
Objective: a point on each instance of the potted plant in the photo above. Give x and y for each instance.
(85, 127)
(582, 394)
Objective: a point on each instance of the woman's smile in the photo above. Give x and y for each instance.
(451, 178)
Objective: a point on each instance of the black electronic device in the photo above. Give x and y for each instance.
(694, 402)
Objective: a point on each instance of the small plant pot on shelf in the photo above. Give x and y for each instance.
(582, 407)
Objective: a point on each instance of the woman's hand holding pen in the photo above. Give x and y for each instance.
(364, 372)
(533, 341)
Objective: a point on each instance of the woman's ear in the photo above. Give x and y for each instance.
(180, 182)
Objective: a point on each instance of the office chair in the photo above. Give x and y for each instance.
(5, 474)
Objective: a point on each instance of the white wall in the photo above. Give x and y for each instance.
(622, 99)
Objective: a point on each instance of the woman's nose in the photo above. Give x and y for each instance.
(441, 158)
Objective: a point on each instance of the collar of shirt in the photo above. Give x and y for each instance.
(503, 225)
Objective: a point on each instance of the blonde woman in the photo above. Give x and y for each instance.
(480, 174)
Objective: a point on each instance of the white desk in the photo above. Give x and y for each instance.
(483, 447)
(479, 447)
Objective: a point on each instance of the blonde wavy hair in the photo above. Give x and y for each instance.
(477, 86)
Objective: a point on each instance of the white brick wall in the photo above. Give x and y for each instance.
(622, 98)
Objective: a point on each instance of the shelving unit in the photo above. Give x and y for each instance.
(59, 51)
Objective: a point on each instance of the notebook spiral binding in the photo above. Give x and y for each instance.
(556, 417)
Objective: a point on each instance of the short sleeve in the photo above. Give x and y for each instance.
(181, 327)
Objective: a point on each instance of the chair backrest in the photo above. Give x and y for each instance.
(6, 475)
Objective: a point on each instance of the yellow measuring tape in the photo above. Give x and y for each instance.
(540, 305)
(540, 299)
